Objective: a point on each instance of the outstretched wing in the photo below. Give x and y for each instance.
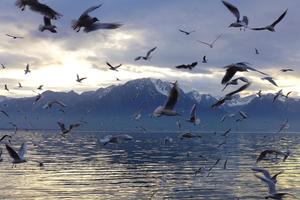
(22, 151)
(232, 9)
(216, 39)
(172, 98)
(12, 153)
(91, 9)
(150, 51)
(279, 18)
(97, 26)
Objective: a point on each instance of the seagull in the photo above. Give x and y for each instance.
(113, 68)
(193, 118)
(85, 20)
(51, 103)
(27, 70)
(238, 23)
(229, 95)
(186, 32)
(287, 95)
(237, 67)
(259, 94)
(37, 98)
(14, 37)
(189, 136)
(4, 113)
(167, 109)
(20, 86)
(204, 59)
(287, 70)
(226, 116)
(36, 6)
(80, 79)
(117, 139)
(235, 82)
(284, 126)
(6, 88)
(63, 128)
(270, 79)
(147, 57)
(267, 174)
(211, 45)
(277, 95)
(47, 26)
(187, 66)
(273, 194)
(264, 153)
(17, 157)
(256, 51)
(91, 24)
(272, 26)
(40, 87)
(3, 66)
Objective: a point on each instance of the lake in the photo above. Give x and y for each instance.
(78, 167)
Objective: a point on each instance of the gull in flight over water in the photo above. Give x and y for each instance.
(148, 55)
(193, 116)
(272, 26)
(117, 139)
(267, 174)
(270, 79)
(238, 23)
(17, 157)
(211, 45)
(63, 128)
(167, 109)
(47, 26)
(36, 6)
(264, 153)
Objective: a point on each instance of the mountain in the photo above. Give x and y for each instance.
(112, 108)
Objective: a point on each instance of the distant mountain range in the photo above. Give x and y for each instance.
(112, 108)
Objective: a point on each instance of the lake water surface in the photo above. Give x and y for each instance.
(78, 167)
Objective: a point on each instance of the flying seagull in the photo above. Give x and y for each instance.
(238, 23)
(167, 109)
(186, 32)
(235, 82)
(237, 67)
(287, 95)
(47, 26)
(6, 88)
(211, 45)
(256, 51)
(17, 157)
(277, 95)
(3, 66)
(187, 66)
(27, 70)
(91, 23)
(4, 113)
(51, 103)
(20, 86)
(204, 59)
(243, 114)
(270, 79)
(287, 70)
(266, 173)
(193, 116)
(226, 116)
(147, 57)
(117, 139)
(63, 128)
(113, 68)
(272, 26)
(79, 80)
(264, 153)
(40, 87)
(36, 6)
(14, 37)
(273, 194)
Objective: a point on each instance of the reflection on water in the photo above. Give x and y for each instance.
(79, 168)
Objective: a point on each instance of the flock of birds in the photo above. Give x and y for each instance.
(89, 24)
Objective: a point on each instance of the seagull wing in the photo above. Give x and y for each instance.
(263, 171)
(45, 10)
(258, 29)
(193, 112)
(230, 72)
(172, 98)
(253, 69)
(232, 9)
(5, 113)
(150, 51)
(91, 9)
(204, 42)
(138, 58)
(97, 26)
(239, 90)
(181, 67)
(216, 39)
(108, 64)
(183, 31)
(279, 18)
(12, 153)
(61, 126)
(22, 151)
(269, 182)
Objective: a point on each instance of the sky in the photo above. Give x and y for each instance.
(55, 59)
